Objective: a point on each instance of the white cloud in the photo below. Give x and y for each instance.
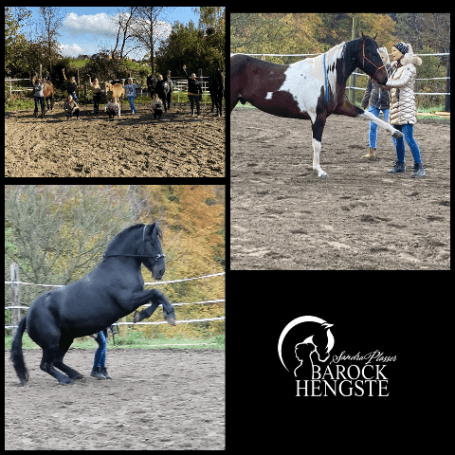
(95, 30)
(102, 24)
(71, 50)
(98, 24)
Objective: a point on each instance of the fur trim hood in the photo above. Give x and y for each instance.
(383, 51)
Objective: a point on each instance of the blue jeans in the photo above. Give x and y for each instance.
(194, 99)
(131, 101)
(373, 127)
(100, 354)
(39, 99)
(408, 131)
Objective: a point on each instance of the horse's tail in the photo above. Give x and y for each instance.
(16, 353)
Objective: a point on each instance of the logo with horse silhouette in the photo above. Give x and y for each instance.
(305, 350)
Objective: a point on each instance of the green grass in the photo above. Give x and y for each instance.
(134, 340)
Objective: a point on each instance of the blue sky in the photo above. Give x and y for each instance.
(86, 30)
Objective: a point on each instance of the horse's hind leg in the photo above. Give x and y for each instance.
(43, 330)
(65, 343)
(47, 364)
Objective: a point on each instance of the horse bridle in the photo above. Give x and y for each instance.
(155, 258)
(368, 60)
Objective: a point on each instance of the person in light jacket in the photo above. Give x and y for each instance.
(39, 97)
(403, 109)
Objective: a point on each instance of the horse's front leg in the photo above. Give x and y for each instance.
(157, 298)
(347, 108)
(395, 133)
(318, 128)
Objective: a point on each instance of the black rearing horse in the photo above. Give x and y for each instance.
(112, 290)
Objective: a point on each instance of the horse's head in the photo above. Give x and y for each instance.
(323, 341)
(154, 260)
(369, 59)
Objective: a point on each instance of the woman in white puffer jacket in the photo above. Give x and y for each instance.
(402, 105)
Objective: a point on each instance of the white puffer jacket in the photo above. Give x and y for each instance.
(401, 81)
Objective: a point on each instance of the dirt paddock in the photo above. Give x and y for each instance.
(129, 146)
(361, 217)
(157, 400)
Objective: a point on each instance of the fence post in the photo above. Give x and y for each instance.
(16, 312)
(123, 328)
(199, 76)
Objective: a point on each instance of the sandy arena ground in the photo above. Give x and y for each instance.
(361, 217)
(164, 399)
(129, 146)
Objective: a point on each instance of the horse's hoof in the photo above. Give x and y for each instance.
(171, 321)
(137, 316)
(323, 175)
(397, 134)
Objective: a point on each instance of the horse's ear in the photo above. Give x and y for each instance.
(361, 34)
(374, 37)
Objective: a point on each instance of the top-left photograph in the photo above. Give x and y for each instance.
(115, 92)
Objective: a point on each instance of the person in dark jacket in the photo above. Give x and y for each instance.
(194, 89)
(377, 99)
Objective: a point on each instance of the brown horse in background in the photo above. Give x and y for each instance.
(48, 90)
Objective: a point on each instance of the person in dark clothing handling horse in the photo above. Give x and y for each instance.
(99, 366)
(194, 88)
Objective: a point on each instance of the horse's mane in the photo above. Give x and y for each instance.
(120, 235)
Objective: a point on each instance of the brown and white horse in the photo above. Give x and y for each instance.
(310, 89)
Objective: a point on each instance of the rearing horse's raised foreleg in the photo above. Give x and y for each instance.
(157, 298)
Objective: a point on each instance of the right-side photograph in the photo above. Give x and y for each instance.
(340, 141)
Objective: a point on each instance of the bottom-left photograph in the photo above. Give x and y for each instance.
(115, 293)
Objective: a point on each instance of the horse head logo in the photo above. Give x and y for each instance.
(320, 341)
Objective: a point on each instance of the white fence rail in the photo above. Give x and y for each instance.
(16, 307)
(11, 85)
(180, 85)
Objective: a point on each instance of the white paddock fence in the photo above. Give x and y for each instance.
(15, 306)
(180, 86)
(262, 56)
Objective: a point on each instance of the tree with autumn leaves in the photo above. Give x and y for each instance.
(58, 233)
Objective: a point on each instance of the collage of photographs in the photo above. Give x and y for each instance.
(160, 161)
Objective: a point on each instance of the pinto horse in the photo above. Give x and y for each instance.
(112, 290)
(309, 89)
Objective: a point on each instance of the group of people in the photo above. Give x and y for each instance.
(396, 100)
(113, 107)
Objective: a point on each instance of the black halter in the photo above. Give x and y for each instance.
(155, 258)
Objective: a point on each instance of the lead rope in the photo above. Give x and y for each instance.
(325, 81)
